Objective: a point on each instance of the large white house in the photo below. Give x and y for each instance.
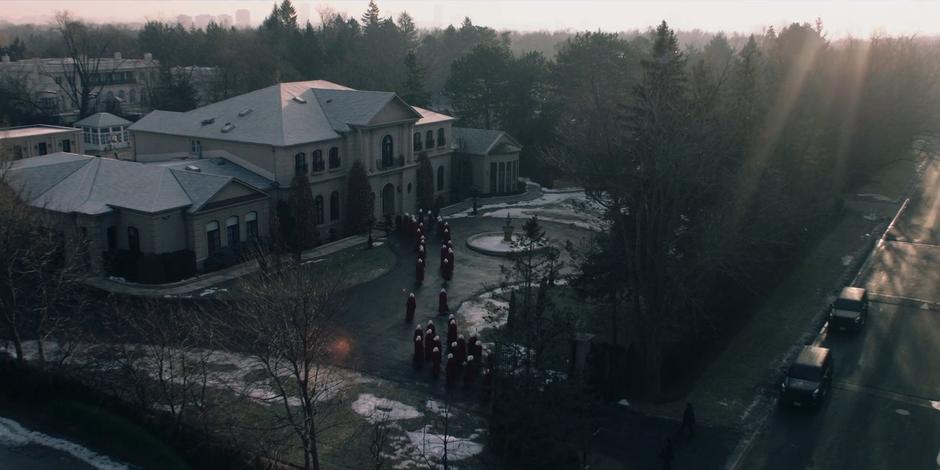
(216, 173)
(119, 83)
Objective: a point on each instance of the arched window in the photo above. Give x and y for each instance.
(133, 95)
(317, 161)
(121, 95)
(334, 206)
(440, 178)
(429, 139)
(417, 139)
(251, 226)
(213, 239)
(300, 164)
(133, 239)
(232, 232)
(318, 209)
(440, 137)
(388, 151)
(334, 157)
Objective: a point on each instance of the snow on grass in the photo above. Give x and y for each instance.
(377, 410)
(432, 445)
(438, 408)
(13, 434)
(212, 291)
(481, 312)
(570, 207)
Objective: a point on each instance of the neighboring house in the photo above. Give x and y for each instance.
(120, 83)
(106, 135)
(33, 141)
(316, 129)
(146, 209)
(202, 79)
(486, 161)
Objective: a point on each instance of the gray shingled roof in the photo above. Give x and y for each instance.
(221, 167)
(99, 120)
(482, 141)
(66, 182)
(284, 114)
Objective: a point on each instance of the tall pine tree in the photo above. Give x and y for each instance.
(413, 91)
(358, 199)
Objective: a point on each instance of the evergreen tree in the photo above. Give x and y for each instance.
(300, 200)
(358, 199)
(371, 18)
(478, 85)
(412, 91)
(425, 183)
(408, 31)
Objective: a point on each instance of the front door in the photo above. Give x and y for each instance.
(388, 199)
(67, 146)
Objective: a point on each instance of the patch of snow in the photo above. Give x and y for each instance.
(376, 410)
(317, 260)
(847, 260)
(212, 290)
(570, 207)
(482, 312)
(117, 279)
(877, 197)
(438, 408)
(902, 412)
(870, 216)
(378, 243)
(13, 434)
(935, 405)
(623, 402)
(432, 445)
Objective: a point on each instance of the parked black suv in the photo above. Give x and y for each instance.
(850, 310)
(809, 379)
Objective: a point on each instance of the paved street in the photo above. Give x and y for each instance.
(884, 411)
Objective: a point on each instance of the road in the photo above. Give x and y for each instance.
(884, 411)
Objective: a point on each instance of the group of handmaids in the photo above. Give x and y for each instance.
(418, 226)
(466, 358)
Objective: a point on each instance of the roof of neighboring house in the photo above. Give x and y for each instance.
(484, 141)
(99, 120)
(281, 115)
(430, 117)
(31, 131)
(67, 182)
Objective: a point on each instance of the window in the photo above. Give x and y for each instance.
(133, 239)
(334, 206)
(41, 148)
(112, 238)
(95, 139)
(66, 145)
(409, 188)
(317, 158)
(429, 139)
(502, 177)
(133, 95)
(440, 178)
(417, 139)
(232, 232)
(388, 151)
(213, 240)
(440, 137)
(195, 147)
(318, 209)
(126, 136)
(300, 164)
(251, 226)
(334, 157)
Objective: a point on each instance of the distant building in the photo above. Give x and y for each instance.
(202, 21)
(121, 85)
(185, 21)
(485, 160)
(32, 141)
(242, 19)
(224, 20)
(105, 135)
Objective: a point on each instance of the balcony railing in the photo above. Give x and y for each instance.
(383, 164)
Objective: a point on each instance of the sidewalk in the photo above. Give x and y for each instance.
(207, 281)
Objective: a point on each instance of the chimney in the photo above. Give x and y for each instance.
(117, 56)
(148, 56)
(5, 59)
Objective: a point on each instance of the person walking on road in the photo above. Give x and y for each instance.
(688, 420)
(666, 455)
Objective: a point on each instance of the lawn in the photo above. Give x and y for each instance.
(356, 265)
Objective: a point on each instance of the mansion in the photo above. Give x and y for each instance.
(209, 179)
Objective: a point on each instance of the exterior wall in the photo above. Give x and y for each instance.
(285, 170)
(146, 229)
(196, 225)
(153, 147)
(29, 145)
(446, 161)
(169, 231)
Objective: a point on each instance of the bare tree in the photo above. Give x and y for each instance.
(42, 263)
(83, 75)
(285, 322)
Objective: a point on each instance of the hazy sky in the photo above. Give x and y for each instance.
(840, 17)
